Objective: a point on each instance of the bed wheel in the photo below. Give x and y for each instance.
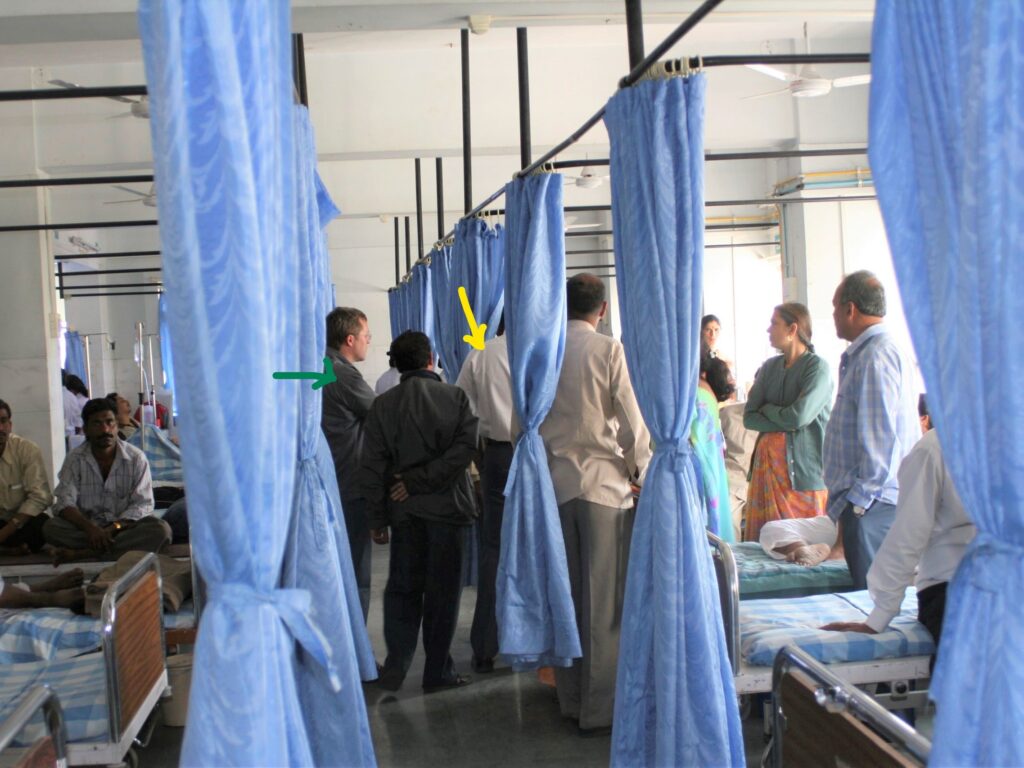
(131, 759)
(745, 706)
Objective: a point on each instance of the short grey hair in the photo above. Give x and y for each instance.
(865, 291)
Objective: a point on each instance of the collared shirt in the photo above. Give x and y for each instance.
(387, 380)
(126, 494)
(345, 405)
(487, 380)
(24, 488)
(930, 533)
(873, 425)
(595, 436)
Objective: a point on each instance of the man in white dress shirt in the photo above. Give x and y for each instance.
(487, 381)
(597, 444)
(930, 533)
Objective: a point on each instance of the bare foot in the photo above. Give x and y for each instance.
(812, 554)
(73, 599)
(72, 578)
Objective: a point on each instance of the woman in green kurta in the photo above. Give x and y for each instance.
(789, 405)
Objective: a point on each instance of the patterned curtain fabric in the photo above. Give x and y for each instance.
(536, 617)
(166, 356)
(74, 360)
(223, 134)
(675, 703)
(425, 303)
(414, 294)
(313, 557)
(946, 149)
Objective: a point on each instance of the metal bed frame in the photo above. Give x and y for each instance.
(38, 698)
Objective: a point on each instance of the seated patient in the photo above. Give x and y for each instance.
(24, 490)
(104, 497)
(62, 591)
(929, 535)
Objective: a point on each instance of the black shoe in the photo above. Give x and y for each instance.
(390, 679)
(483, 666)
(456, 682)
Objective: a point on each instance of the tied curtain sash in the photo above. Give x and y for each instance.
(675, 702)
(947, 152)
(535, 613)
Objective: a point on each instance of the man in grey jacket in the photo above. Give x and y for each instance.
(420, 438)
(345, 405)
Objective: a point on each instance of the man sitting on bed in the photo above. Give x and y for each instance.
(24, 490)
(930, 533)
(104, 497)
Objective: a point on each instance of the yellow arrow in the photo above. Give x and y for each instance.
(475, 337)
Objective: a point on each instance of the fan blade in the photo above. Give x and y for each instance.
(130, 190)
(763, 95)
(66, 84)
(846, 82)
(778, 74)
(594, 225)
(120, 116)
(120, 202)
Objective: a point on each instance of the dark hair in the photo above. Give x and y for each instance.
(584, 295)
(5, 407)
(343, 322)
(865, 291)
(709, 319)
(716, 374)
(76, 385)
(922, 407)
(98, 405)
(795, 313)
(411, 351)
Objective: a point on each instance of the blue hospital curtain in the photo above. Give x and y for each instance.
(223, 134)
(166, 356)
(448, 332)
(393, 312)
(317, 557)
(536, 618)
(675, 702)
(947, 153)
(74, 360)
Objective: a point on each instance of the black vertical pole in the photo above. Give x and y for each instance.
(299, 68)
(60, 278)
(440, 198)
(635, 32)
(525, 152)
(408, 247)
(419, 210)
(398, 258)
(467, 141)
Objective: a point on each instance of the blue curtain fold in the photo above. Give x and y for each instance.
(536, 617)
(446, 323)
(675, 702)
(313, 559)
(946, 142)
(166, 355)
(223, 134)
(393, 312)
(74, 359)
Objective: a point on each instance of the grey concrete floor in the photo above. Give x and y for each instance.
(501, 719)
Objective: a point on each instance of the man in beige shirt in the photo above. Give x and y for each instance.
(24, 490)
(597, 445)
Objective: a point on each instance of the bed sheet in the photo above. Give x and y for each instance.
(761, 576)
(766, 626)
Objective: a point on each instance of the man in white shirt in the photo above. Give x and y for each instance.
(930, 533)
(597, 444)
(487, 381)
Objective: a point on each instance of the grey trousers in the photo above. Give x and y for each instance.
(597, 548)
(150, 534)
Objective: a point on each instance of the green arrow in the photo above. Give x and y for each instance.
(319, 379)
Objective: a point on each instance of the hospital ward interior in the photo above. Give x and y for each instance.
(479, 383)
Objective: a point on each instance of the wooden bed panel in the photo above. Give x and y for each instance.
(815, 737)
(138, 643)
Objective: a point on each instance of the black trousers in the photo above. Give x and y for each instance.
(931, 609)
(424, 586)
(357, 525)
(493, 476)
(31, 533)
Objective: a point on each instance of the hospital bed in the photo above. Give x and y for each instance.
(757, 630)
(818, 719)
(45, 741)
(106, 696)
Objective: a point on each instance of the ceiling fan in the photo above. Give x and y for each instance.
(806, 82)
(588, 178)
(139, 107)
(148, 199)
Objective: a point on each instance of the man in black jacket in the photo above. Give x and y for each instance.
(345, 405)
(419, 440)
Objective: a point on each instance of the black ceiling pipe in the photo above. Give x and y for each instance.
(118, 293)
(419, 209)
(60, 279)
(785, 58)
(398, 257)
(39, 94)
(117, 255)
(80, 181)
(741, 245)
(80, 225)
(523, 59)
(109, 271)
(635, 32)
(591, 250)
(408, 247)
(588, 233)
(729, 227)
(299, 68)
(113, 285)
(439, 173)
(768, 154)
(467, 140)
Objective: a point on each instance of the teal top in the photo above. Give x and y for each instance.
(797, 401)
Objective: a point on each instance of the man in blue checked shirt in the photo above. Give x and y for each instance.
(873, 425)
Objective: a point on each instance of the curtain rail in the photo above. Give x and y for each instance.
(70, 294)
(80, 225)
(117, 255)
(72, 181)
(768, 154)
(124, 271)
(37, 94)
(108, 287)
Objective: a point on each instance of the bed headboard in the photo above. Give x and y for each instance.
(729, 595)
